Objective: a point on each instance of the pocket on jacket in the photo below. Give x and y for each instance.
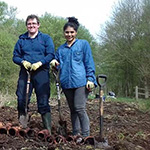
(77, 55)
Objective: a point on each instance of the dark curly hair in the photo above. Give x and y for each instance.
(72, 22)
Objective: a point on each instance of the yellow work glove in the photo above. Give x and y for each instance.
(35, 66)
(89, 85)
(54, 63)
(26, 64)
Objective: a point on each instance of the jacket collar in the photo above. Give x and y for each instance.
(25, 35)
(66, 45)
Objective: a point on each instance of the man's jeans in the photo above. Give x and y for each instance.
(41, 83)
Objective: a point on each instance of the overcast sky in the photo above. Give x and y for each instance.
(90, 13)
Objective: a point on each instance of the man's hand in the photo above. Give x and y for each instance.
(35, 66)
(89, 85)
(26, 64)
(54, 63)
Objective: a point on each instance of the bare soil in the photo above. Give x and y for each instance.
(125, 127)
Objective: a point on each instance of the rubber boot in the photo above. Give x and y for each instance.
(46, 119)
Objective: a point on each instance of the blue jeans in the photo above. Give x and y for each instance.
(76, 99)
(41, 83)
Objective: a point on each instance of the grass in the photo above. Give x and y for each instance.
(11, 100)
(142, 104)
(7, 100)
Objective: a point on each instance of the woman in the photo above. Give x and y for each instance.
(77, 75)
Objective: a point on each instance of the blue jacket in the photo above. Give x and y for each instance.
(76, 64)
(40, 48)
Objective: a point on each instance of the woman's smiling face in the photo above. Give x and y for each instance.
(70, 34)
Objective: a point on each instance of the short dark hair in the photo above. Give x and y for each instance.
(72, 22)
(32, 17)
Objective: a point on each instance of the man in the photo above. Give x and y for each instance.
(33, 52)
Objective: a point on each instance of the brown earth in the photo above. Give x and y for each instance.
(125, 128)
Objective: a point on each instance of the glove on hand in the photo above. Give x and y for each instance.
(54, 63)
(35, 66)
(26, 64)
(89, 85)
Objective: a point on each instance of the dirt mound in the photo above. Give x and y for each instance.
(125, 128)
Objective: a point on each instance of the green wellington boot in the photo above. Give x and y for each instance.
(46, 118)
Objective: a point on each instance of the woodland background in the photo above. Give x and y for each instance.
(121, 50)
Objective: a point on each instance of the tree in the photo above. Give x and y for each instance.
(7, 41)
(126, 49)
